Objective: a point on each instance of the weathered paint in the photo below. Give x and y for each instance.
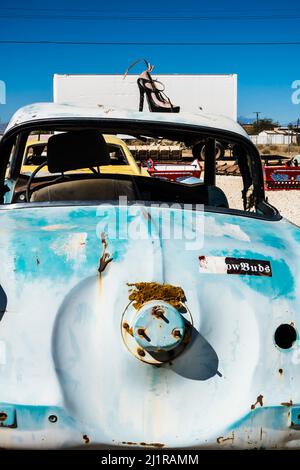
(158, 327)
(64, 353)
(42, 111)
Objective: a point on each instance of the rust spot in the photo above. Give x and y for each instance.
(142, 332)
(259, 401)
(128, 328)
(158, 311)
(158, 445)
(86, 439)
(176, 334)
(3, 416)
(221, 439)
(142, 292)
(141, 352)
(105, 258)
(287, 403)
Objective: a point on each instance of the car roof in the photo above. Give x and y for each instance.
(52, 111)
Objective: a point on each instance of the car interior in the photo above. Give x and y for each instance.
(72, 149)
(36, 154)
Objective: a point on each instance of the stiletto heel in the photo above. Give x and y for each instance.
(157, 100)
(142, 95)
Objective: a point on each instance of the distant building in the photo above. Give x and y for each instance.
(278, 136)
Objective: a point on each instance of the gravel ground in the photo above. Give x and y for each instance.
(287, 202)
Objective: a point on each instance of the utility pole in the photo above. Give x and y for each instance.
(257, 115)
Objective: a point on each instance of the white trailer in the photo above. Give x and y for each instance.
(215, 94)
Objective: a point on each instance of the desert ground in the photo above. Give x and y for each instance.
(287, 202)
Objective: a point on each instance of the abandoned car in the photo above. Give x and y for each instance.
(136, 312)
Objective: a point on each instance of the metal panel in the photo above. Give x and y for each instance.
(68, 373)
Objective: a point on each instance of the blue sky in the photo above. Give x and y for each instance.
(264, 73)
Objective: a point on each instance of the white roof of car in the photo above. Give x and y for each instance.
(42, 111)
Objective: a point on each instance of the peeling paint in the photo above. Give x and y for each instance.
(105, 258)
(71, 247)
(222, 440)
(287, 403)
(37, 111)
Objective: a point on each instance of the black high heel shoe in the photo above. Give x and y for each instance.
(158, 101)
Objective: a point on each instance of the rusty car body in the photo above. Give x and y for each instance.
(116, 330)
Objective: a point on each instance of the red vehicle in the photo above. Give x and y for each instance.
(282, 175)
(174, 172)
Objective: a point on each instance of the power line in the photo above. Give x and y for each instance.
(147, 10)
(25, 16)
(108, 43)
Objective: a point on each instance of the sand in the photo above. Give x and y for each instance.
(287, 202)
